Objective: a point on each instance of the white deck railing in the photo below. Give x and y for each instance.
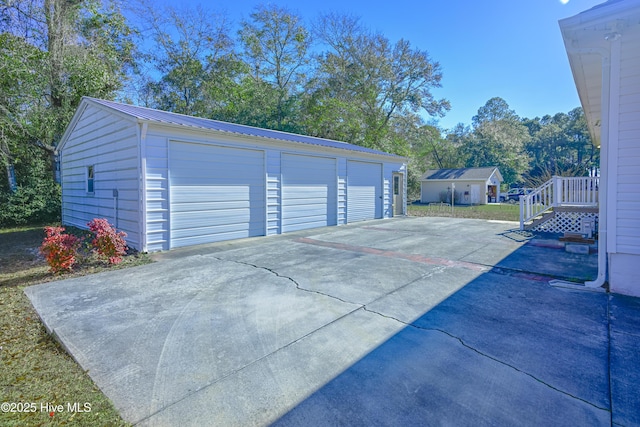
(559, 191)
(579, 191)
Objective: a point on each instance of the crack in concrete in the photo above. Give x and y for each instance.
(614, 330)
(364, 307)
(291, 279)
(431, 273)
(461, 341)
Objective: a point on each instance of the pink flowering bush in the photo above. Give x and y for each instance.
(60, 249)
(107, 242)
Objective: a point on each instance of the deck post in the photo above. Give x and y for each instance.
(557, 191)
(521, 213)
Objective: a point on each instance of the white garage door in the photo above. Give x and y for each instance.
(309, 197)
(364, 191)
(217, 193)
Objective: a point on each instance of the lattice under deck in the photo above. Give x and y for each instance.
(564, 222)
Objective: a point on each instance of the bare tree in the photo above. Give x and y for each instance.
(189, 43)
(276, 45)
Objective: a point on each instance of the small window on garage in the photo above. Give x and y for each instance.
(90, 179)
(396, 185)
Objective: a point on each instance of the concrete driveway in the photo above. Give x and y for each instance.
(410, 321)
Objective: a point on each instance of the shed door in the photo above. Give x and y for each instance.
(309, 192)
(217, 193)
(398, 193)
(475, 194)
(364, 191)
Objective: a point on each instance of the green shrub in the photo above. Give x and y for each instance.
(35, 204)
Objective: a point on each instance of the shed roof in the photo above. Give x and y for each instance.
(462, 174)
(151, 115)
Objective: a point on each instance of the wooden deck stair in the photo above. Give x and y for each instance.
(576, 238)
(546, 216)
(562, 201)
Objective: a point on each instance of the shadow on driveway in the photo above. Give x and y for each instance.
(497, 352)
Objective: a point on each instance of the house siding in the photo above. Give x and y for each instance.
(627, 227)
(389, 170)
(342, 190)
(274, 192)
(107, 142)
(156, 175)
(387, 199)
(430, 191)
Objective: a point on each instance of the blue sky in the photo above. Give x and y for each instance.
(507, 48)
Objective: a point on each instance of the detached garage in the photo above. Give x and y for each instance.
(170, 180)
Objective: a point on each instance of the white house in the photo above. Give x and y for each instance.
(170, 180)
(472, 186)
(603, 45)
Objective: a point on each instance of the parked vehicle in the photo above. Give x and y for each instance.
(513, 195)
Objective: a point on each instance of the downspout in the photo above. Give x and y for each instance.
(604, 163)
(604, 169)
(604, 158)
(607, 135)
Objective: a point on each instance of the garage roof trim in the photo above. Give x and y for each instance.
(165, 117)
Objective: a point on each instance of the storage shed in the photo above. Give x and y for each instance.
(170, 180)
(471, 186)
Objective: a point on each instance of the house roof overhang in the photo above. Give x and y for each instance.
(587, 39)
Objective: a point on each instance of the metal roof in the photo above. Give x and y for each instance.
(462, 174)
(165, 117)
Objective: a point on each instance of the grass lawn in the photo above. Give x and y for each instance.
(502, 211)
(35, 370)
